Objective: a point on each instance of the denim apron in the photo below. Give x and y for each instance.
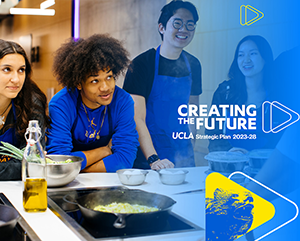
(167, 94)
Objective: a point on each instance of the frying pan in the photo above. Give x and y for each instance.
(8, 220)
(88, 202)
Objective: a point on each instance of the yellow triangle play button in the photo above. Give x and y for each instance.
(232, 210)
(249, 15)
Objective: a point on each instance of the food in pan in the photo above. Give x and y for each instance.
(124, 208)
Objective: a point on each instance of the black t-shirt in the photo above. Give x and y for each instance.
(139, 77)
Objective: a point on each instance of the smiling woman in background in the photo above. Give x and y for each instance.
(20, 101)
(248, 85)
(91, 116)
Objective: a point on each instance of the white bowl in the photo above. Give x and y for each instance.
(132, 177)
(226, 162)
(172, 176)
(258, 157)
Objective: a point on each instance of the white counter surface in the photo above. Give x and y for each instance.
(190, 206)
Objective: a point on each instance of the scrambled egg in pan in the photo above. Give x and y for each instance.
(124, 208)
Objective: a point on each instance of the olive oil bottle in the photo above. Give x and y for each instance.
(34, 171)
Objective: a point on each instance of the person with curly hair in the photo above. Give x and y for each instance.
(91, 116)
(21, 100)
(161, 80)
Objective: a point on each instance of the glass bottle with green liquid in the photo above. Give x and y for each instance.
(34, 171)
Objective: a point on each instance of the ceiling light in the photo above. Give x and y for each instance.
(76, 23)
(47, 4)
(32, 11)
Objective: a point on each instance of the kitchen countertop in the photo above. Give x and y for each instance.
(190, 206)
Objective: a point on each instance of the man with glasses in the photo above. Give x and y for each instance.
(160, 80)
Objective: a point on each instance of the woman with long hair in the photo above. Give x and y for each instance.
(247, 85)
(21, 100)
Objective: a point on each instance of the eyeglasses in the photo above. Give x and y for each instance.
(189, 25)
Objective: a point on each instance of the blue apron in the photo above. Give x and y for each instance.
(79, 128)
(10, 135)
(167, 94)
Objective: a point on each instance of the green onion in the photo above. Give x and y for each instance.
(11, 150)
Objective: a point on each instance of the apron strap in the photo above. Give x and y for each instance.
(157, 61)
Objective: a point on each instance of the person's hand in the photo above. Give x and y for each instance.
(238, 149)
(161, 164)
(109, 143)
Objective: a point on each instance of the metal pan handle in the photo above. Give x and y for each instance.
(65, 198)
(120, 222)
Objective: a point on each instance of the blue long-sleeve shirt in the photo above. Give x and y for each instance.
(71, 128)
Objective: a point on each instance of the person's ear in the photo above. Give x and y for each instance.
(79, 86)
(161, 28)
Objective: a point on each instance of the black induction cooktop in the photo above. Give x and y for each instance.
(22, 231)
(72, 217)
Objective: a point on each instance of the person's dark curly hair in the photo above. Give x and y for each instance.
(31, 101)
(74, 61)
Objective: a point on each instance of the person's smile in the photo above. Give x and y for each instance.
(247, 67)
(178, 37)
(106, 96)
(249, 59)
(182, 36)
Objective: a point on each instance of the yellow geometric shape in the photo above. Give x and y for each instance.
(279, 195)
(219, 187)
(259, 15)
